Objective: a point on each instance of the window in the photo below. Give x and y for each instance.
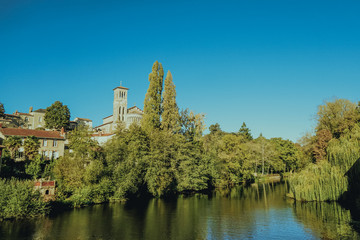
(45, 142)
(40, 119)
(55, 143)
(56, 155)
(26, 119)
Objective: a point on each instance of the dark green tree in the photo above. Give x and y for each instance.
(160, 176)
(215, 128)
(245, 132)
(152, 102)
(2, 110)
(12, 144)
(57, 116)
(170, 115)
(31, 147)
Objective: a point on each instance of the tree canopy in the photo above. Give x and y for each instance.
(170, 115)
(2, 110)
(152, 102)
(337, 116)
(57, 116)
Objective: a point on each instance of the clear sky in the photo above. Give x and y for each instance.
(266, 63)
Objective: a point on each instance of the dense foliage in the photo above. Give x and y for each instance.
(18, 199)
(2, 110)
(57, 116)
(335, 151)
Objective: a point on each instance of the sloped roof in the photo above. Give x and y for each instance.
(27, 114)
(20, 132)
(121, 88)
(84, 119)
(40, 110)
(103, 124)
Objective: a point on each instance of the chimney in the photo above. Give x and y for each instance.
(62, 133)
(30, 109)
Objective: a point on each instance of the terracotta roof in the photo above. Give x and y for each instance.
(27, 114)
(121, 88)
(85, 119)
(103, 124)
(107, 116)
(11, 115)
(29, 132)
(45, 184)
(41, 110)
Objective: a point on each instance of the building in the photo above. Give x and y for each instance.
(46, 189)
(52, 143)
(83, 122)
(121, 114)
(102, 138)
(33, 119)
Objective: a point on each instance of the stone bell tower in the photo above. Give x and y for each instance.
(120, 104)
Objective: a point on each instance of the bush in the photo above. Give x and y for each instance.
(18, 199)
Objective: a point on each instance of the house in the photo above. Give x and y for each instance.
(33, 119)
(102, 138)
(51, 142)
(46, 189)
(83, 122)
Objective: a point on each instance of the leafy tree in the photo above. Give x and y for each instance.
(34, 167)
(215, 128)
(160, 175)
(286, 151)
(152, 102)
(128, 152)
(322, 139)
(81, 143)
(193, 171)
(337, 116)
(31, 147)
(69, 172)
(170, 115)
(12, 143)
(57, 116)
(230, 159)
(245, 132)
(2, 110)
(192, 125)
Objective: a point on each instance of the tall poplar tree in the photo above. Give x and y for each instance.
(152, 102)
(170, 115)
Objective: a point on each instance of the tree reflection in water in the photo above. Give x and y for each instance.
(258, 211)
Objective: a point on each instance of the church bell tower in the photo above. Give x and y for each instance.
(120, 104)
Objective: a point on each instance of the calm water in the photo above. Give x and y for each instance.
(257, 212)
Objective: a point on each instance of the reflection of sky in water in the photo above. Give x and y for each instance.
(259, 224)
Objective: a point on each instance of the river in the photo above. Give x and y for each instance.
(260, 211)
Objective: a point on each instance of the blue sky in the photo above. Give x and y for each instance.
(266, 63)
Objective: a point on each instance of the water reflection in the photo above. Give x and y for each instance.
(257, 212)
(328, 220)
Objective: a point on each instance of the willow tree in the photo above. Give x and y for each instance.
(152, 102)
(170, 115)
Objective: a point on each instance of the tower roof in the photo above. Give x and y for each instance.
(121, 88)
